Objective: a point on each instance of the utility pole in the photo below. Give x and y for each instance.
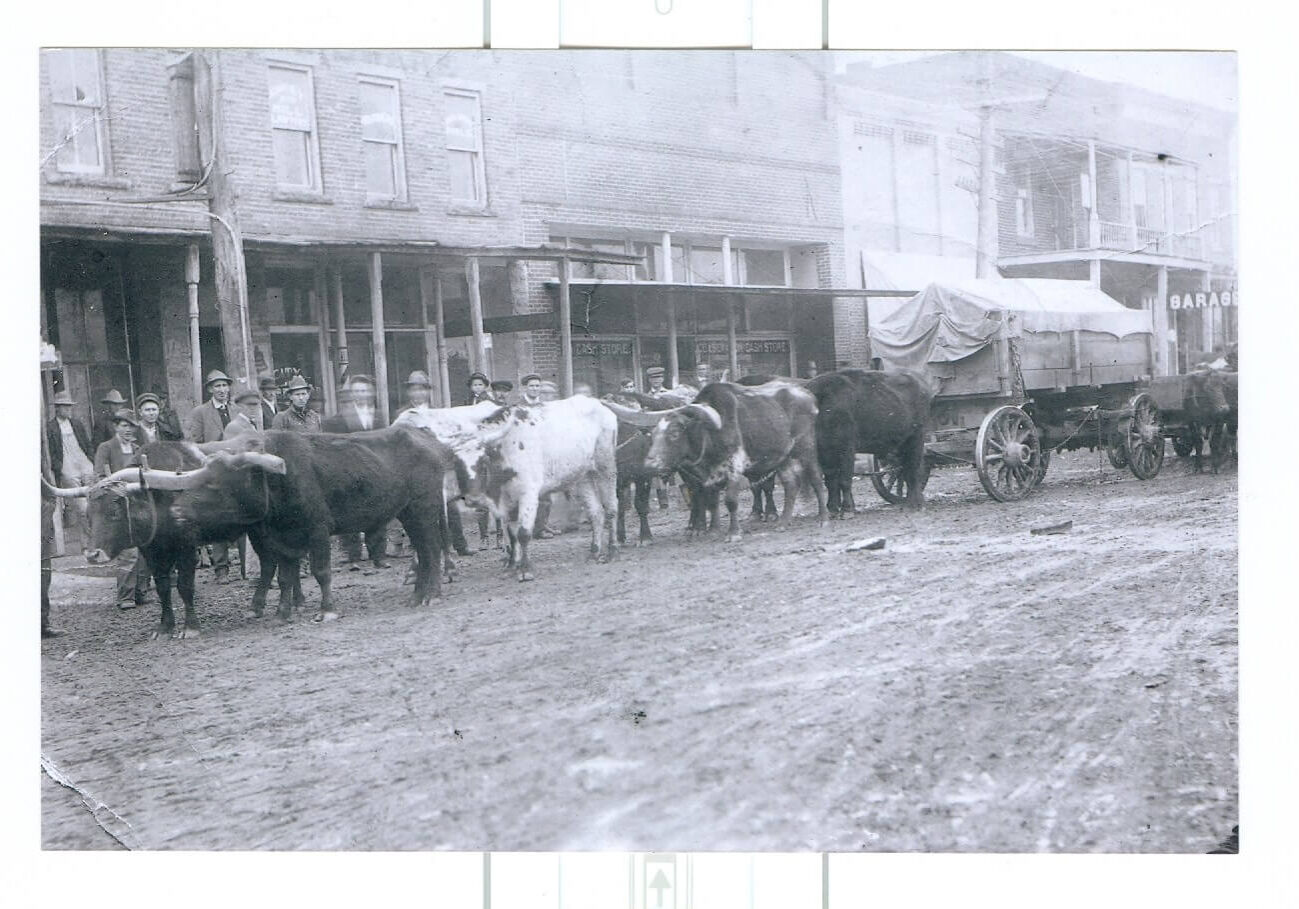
(227, 241)
(985, 263)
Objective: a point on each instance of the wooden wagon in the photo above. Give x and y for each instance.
(1022, 368)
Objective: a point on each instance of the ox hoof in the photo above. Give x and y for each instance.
(645, 541)
(253, 614)
(184, 632)
(734, 538)
(327, 616)
(527, 576)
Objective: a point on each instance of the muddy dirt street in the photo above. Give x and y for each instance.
(970, 687)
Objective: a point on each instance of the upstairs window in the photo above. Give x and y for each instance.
(1024, 209)
(465, 147)
(293, 128)
(77, 102)
(385, 165)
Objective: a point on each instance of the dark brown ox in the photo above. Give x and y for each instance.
(871, 412)
(1210, 405)
(132, 508)
(731, 435)
(328, 484)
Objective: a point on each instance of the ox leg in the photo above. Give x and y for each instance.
(527, 519)
(160, 567)
(1217, 449)
(756, 514)
(624, 492)
(268, 568)
(320, 571)
(812, 472)
(732, 496)
(642, 512)
(456, 530)
(186, 565)
(428, 581)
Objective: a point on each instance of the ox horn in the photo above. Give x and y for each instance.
(163, 479)
(65, 493)
(707, 412)
(644, 419)
(268, 462)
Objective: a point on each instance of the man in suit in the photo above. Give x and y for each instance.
(247, 413)
(206, 423)
(70, 459)
(419, 391)
(269, 400)
(357, 414)
(111, 456)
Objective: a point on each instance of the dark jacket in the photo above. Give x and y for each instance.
(109, 457)
(205, 423)
(347, 420)
(172, 431)
(54, 437)
(289, 419)
(269, 414)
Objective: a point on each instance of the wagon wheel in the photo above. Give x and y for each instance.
(886, 477)
(1143, 438)
(1008, 454)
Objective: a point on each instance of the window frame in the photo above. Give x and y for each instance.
(479, 153)
(316, 186)
(1025, 226)
(401, 190)
(98, 117)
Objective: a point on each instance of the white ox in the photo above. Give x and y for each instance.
(516, 454)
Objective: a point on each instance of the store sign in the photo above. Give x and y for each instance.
(602, 348)
(744, 346)
(1203, 299)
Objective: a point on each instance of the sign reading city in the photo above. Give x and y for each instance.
(1202, 299)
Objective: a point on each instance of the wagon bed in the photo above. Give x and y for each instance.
(1022, 368)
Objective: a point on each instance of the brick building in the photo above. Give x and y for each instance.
(1096, 181)
(371, 189)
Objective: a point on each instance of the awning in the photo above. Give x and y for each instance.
(912, 272)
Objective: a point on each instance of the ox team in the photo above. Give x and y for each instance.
(292, 485)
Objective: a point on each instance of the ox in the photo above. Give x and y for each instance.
(132, 508)
(1209, 402)
(731, 435)
(306, 487)
(880, 413)
(633, 446)
(511, 456)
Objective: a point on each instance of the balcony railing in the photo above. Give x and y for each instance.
(1116, 236)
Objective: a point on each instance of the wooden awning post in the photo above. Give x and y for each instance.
(195, 351)
(479, 362)
(320, 288)
(435, 344)
(379, 342)
(732, 344)
(340, 326)
(565, 332)
(674, 367)
(793, 327)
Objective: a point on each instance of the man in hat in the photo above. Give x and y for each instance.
(501, 389)
(357, 414)
(247, 413)
(167, 418)
(270, 399)
(627, 385)
(207, 421)
(532, 388)
(148, 408)
(70, 459)
(299, 417)
(655, 376)
(47, 562)
(479, 388)
(111, 456)
(419, 391)
(109, 404)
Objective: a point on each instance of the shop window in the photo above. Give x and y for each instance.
(597, 270)
(767, 314)
(356, 296)
(598, 312)
(706, 265)
(1024, 208)
(764, 267)
(293, 127)
(645, 270)
(710, 314)
(464, 138)
(381, 139)
(401, 300)
(679, 273)
(290, 299)
(77, 104)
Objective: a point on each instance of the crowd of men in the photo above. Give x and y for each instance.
(80, 456)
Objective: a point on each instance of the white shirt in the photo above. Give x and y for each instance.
(270, 402)
(149, 435)
(365, 415)
(75, 462)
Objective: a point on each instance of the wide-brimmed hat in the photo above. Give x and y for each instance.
(146, 398)
(63, 397)
(267, 382)
(216, 375)
(125, 416)
(418, 377)
(296, 383)
(113, 397)
(477, 375)
(243, 392)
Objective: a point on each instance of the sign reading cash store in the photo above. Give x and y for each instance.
(1202, 299)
